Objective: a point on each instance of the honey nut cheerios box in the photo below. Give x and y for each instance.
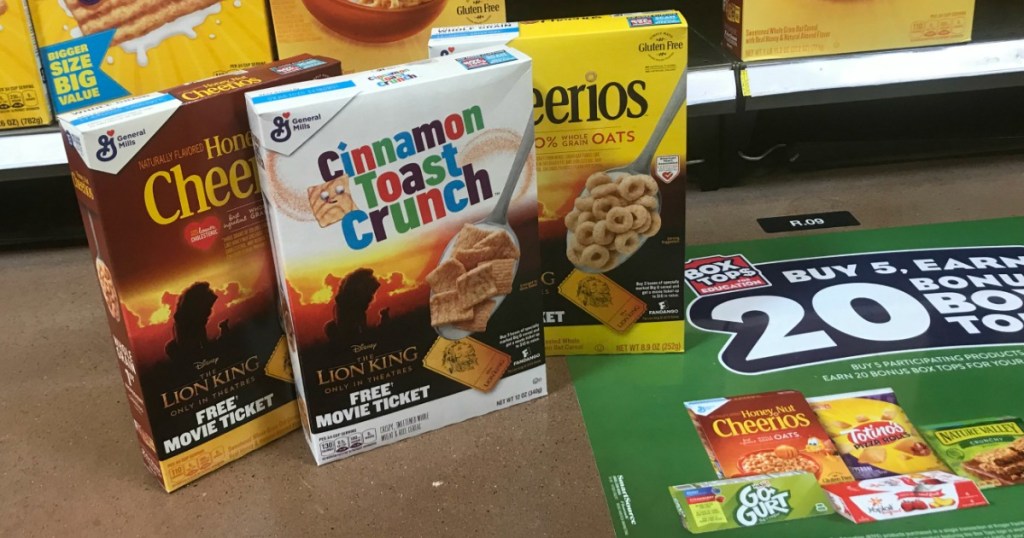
(771, 432)
(369, 34)
(774, 29)
(167, 185)
(406, 245)
(612, 243)
(23, 100)
(94, 51)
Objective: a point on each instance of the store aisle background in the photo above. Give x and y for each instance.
(69, 461)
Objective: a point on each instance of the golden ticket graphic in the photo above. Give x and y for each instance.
(602, 298)
(279, 366)
(468, 361)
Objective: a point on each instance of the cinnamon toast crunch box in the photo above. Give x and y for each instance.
(22, 94)
(369, 34)
(611, 165)
(403, 214)
(169, 194)
(94, 51)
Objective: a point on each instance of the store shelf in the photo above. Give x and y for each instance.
(29, 153)
(881, 75)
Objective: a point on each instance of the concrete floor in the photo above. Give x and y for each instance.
(69, 464)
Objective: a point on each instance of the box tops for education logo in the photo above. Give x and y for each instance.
(722, 274)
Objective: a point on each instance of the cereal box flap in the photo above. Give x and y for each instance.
(284, 118)
(108, 136)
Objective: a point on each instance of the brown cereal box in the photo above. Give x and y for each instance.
(771, 432)
(874, 435)
(174, 215)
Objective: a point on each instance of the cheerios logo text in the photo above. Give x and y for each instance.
(409, 179)
(590, 102)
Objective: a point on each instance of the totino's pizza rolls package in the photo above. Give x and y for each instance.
(403, 212)
(611, 167)
(771, 432)
(169, 194)
(874, 435)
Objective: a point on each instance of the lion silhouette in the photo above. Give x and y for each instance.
(353, 299)
(191, 314)
(459, 357)
(593, 292)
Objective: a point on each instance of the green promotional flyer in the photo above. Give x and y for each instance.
(923, 325)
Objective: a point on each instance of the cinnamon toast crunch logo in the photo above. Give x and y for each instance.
(721, 274)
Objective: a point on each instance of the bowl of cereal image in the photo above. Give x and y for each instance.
(776, 461)
(375, 21)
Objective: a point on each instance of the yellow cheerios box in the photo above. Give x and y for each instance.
(22, 95)
(773, 29)
(609, 112)
(368, 34)
(98, 50)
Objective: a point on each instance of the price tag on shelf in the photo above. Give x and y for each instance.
(810, 221)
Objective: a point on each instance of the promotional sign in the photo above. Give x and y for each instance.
(934, 313)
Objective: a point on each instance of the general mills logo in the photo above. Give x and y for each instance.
(283, 130)
(108, 149)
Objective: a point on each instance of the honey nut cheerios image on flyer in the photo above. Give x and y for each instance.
(619, 209)
(375, 21)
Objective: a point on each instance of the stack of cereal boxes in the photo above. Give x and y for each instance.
(611, 166)
(403, 214)
(168, 189)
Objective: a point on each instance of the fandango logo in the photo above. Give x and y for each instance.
(108, 148)
(282, 130)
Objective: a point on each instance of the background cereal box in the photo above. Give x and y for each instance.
(97, 50)
(22, 97)
(368, 34)
(411, 304)
(613, 244)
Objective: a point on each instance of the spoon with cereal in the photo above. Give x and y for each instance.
(479, 264)
(620, 209)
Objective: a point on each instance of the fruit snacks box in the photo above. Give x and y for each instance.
(167, 185)
(98, 50)
(874, 435)
(747, 502)
(611, 164)
(369, 34)
(403, 211)
(919, 494)
(763, 30)
(22, 94)
(771, 432)
(989, 451)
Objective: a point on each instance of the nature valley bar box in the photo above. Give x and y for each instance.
(22, 94)
(95, 51)
(368, 34)
(612, 187)
(774, 29)
(403, 214)
(169, 194)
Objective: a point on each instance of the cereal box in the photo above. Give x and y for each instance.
(989, 451)
(771, 432)
(98, 50)
(369, 34)
(919, 494)
(747, 502)
(874, 435)
(168, 189)
(761, 30)
(611, 161)
(403, 212)
(22, 95)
